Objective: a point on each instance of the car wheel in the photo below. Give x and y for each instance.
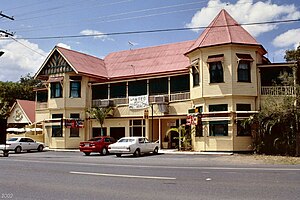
(118, 155)
(40, 148)
(104, 152)
(18, 149)
(87, 153)
(155, 151)
(137, 153)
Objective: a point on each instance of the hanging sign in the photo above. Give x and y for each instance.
(138, 102)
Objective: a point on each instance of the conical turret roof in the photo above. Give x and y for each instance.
(223, 30)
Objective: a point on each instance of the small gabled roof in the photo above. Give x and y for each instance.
(223, 30)
(28, 108)
(163, 59)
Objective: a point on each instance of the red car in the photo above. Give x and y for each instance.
(96, 144)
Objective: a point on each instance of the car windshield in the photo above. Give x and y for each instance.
(12, 139)
(95, 139)
(126, 140)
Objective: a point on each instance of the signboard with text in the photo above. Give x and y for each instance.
(138, 102)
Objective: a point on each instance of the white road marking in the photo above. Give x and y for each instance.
(160, 166)
(124, 176)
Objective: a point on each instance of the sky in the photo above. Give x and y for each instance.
(86, 26)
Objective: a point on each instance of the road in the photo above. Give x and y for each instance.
(70, 175)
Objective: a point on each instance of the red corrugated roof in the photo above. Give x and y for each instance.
(148, 61)
(29, 108)
(223, 30)
(84, 63)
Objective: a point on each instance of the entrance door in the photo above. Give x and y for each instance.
(117, 132)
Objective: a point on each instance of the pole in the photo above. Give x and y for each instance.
(152, 122)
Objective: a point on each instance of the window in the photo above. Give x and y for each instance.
(244, 71)
(57, 129)
(100, 91)
(158, 86)
(75, 89)
(97, 131)
(118, 90)
(74, 132)
(196, 76)
(218, 128)
(216, 72)
(137, 127)
(56, 90)
(243, 107)
(180, 83)
(137, 88)
(243, 130)
(218, 108)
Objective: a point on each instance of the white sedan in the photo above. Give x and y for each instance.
(19, 144)
(133, 145)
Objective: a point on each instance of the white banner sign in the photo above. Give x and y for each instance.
(138, 102)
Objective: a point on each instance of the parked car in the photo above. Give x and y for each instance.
(19, 144)
(133, 145)
(96, 144)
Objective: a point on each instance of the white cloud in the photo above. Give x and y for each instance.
(287, 39)
(246, 11)
(97, 34)
(19, 59)
(64, 45)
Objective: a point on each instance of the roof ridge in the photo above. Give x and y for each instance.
(57, 47)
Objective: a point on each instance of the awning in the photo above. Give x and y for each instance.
(244, 57)
(55, 79)
(215, 58)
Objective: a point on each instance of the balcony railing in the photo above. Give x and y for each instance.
(278, 90)
(152, 99)
(41, 105)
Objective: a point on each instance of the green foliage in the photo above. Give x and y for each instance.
(23, 89)
(275, 126)
(100, 113)
(184, 137)
(4, 109)
(292, 55)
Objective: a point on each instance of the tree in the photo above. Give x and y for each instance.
(294, 55)
(100, 113)
(4, 112)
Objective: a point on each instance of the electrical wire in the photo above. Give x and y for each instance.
(27, 46)
(156, 30)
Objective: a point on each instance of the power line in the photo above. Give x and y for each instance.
(27, 46)
(156, 30)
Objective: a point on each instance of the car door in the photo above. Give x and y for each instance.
(148, 145)
(142, 145)
(32, 145)
(24, 144)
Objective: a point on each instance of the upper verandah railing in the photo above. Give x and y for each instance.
(278, 90)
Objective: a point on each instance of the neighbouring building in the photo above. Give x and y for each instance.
(211, 84)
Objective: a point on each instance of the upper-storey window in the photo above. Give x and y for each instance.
(158, 86)
(180, 83)
(118, 90)
(137, 88)
(196, 75)
(216, 68)
(75, 86)
(244, 67)
(56, 90)
(100, 91)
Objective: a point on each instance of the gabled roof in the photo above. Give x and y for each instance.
(28, 108)
(148, 61)
(84, 63)
(223, 30)
(81, 63)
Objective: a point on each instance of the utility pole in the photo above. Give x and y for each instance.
(4, 105)
(3, 32)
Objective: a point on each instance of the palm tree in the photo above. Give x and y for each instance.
(100, 113)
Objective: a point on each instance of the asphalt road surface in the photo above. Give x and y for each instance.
(71, 175)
